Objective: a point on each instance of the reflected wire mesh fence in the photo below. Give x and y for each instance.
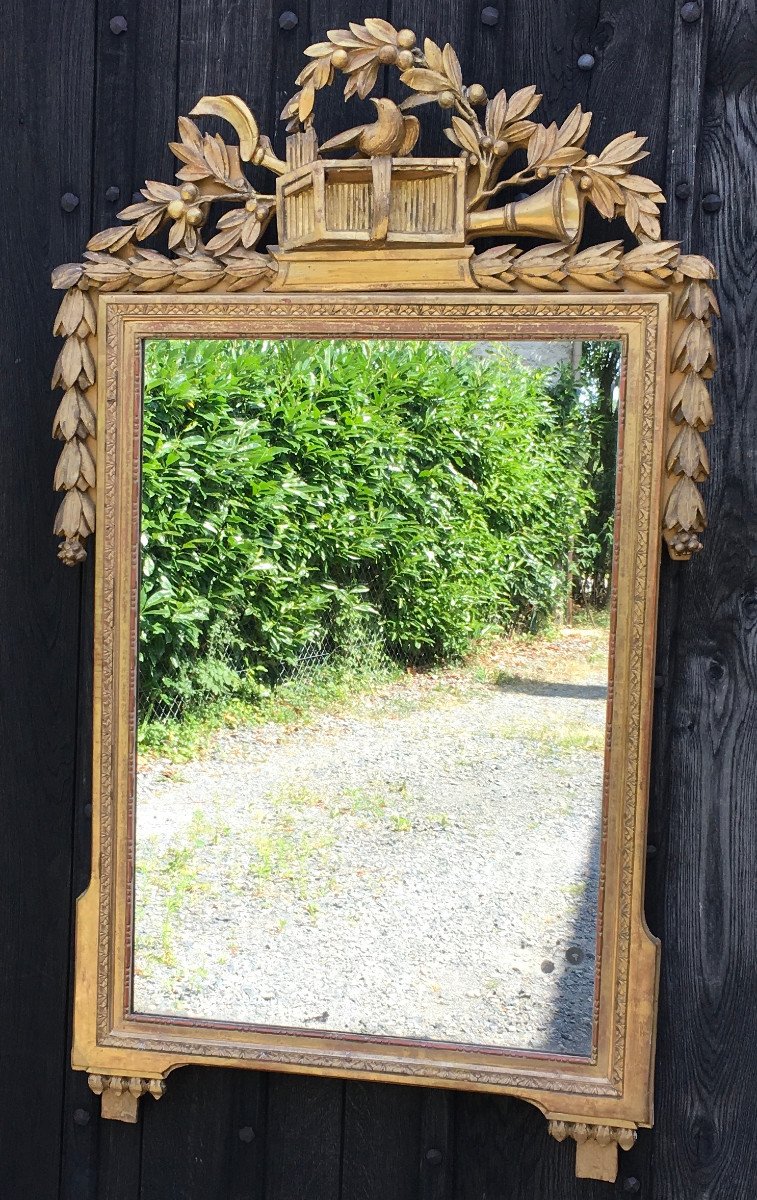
(355, 643)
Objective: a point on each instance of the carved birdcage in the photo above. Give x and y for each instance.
(379, 202)
(388, 206)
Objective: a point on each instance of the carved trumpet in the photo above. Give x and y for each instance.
(556, 211)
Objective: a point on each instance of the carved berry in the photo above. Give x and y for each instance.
(194, 215)
(340, 58)
(500, 148)
(405, 60)
(261, 212)
(542, 173)
(406, 39)
(189, 192)
(176, 209)
(387, 55)
(477, 94)
(487, 143)
(446, 99)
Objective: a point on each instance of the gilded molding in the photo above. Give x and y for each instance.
(214, 314)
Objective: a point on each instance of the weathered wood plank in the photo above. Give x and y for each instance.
(382, 1142)
(119, 1160)
(186, 1137)
(46, 98)
(704, 895)
(249, 1134)
(303, 1144)
(135, 104)
(134, 110)
(436, 1145)
(228, 47)
(689, 46)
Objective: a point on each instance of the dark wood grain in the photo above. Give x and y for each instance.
(382, 1130)
(436, 1145)
(247, 1151)
(86, 110)
(304, 1138)
(702, 895)
(187, 1136)
(46, 88)
(134, 105)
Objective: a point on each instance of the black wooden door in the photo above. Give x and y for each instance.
(90, 96)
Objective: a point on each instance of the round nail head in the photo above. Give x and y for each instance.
(631, 1185)
(683, 190)
(69, 202)
(246, 1133)
(434, 1157)
(112, 194)
(547, 966)
(712, 203)
(489, 16)
(81, 1116)
(586, 62)
(289, 20)
(118, 24)
(691, 11)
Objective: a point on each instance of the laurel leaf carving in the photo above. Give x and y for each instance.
(688, 456)
(685, 508)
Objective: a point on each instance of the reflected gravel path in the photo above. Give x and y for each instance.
(424, 867)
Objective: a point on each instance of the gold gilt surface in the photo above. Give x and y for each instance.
(401, 227)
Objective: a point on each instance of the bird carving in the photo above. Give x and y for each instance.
(392, 134)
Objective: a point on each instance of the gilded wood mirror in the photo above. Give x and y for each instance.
(379, 519)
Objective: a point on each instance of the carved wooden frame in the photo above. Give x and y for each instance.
(403, 231)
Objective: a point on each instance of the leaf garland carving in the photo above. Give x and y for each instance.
(487, 132)
(692, 363)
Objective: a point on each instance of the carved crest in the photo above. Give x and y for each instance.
(415, 218)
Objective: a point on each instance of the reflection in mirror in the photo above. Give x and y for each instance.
(373, 674)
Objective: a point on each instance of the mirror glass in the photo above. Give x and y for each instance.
(373, 685)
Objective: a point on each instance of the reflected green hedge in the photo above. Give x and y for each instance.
(424, 490)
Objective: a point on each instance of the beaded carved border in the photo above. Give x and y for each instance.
(215, 317)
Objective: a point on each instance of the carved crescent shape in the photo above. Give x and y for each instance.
(236, 112)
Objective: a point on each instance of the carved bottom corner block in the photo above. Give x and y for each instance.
(121, 1094)
(596, 1147)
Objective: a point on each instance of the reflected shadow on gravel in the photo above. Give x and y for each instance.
(577, 972)
(420, 860)
(538, 687)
